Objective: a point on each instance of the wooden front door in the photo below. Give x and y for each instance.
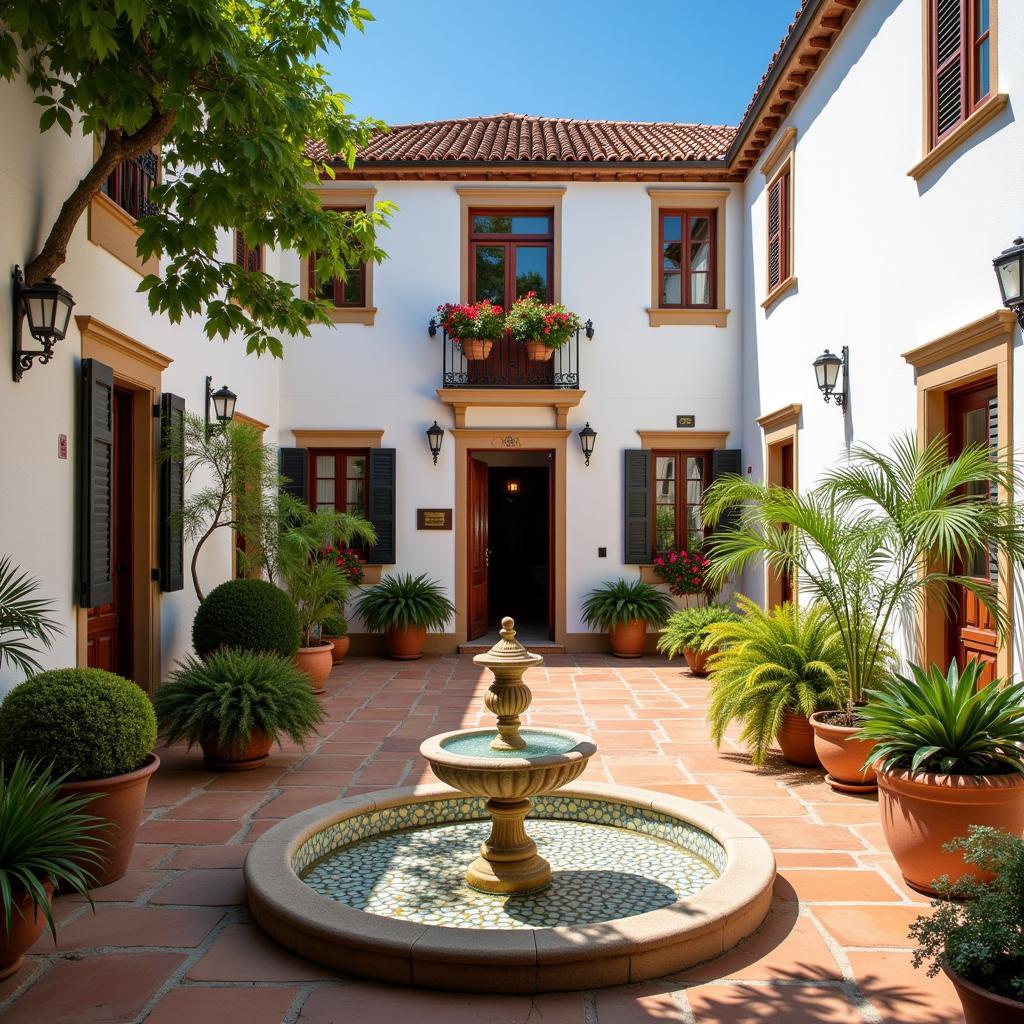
(786, 474)
(972, 421)
(479, 552)
(109, 632)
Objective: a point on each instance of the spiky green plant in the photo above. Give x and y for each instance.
(884, 534)
(618, 602)
(770, 664)
(404, 601)
(232, 694)
(23, 618)
(44, 838)
(930, 722)
(688, 627)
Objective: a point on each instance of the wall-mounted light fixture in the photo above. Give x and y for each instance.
(47, 307)
(435, 435)
(511, 489)
(223, 401)
(588, 435)
(826, 373)
(1009, 266)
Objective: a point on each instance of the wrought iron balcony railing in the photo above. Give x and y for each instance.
(507, 365)
(129, 184)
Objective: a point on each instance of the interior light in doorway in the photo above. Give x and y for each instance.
(223, 401)
(1009, 266)
(435, 435)
(47, 307)
(826, 373)
(588, 435)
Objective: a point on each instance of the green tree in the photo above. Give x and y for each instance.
(230, 91)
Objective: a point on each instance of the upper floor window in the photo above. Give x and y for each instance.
(129, 183)
(680, 479)
(511, 253)
(779, 242)
(687, 240)
(249, 258)
(960, 41)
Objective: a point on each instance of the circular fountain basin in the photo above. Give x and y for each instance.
(644, 885)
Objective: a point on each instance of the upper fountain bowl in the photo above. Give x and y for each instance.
(465, 760)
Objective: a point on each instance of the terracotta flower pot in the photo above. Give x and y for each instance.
(235, 759)
(317, 663)
(696, 661)
(842, 757)
(796, 740)
(475, 348)
(628, 639)
(983, 1007)
(538, 352)
(341, 645)
(26, 927)
(120, 805)
(922, 812)
(406, 644)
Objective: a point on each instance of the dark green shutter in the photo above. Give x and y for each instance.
(294, 466)
(637, 544)
(96, 486)
(381, 475)
(172, 495)
(726, 462)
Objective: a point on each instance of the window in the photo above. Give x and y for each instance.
(687, 242)
(679, 482)
(778, 261)
(510, 254)
(348, 291)
(338, 480)
(960, 41)
(129, 183)
(246, 257)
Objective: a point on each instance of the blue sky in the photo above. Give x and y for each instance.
(649, 60)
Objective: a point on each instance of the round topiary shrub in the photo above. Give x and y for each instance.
(91, 724)
(249, 615)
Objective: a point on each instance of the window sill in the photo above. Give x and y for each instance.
(115, 230)
(648, 574)
(994, 105)
(353, 315)
(372, 575)
(687, 317)
(778, 291)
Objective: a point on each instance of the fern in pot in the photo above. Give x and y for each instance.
(404, 607)
(686, 632)
(625, 608)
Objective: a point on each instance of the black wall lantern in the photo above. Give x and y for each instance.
(223, 401)
(435, 435)
(47, 307)
(588, 435)
(1009, 266)
(826, 373)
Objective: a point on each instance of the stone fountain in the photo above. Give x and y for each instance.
(508, 765)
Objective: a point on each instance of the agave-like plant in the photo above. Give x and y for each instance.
(930, 722)
(770, 664)
(618, 602)
(404, 601)
(687, 628)
(24, 618)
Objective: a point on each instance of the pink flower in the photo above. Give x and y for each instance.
(672, 557)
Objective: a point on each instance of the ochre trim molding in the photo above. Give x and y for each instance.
(559, 400)
(251, 421)
(990, 109)
(683, 440)
(779, 290)
(782, 417)
(315, 438)
(115, 230)
(781, 428)
(687, 317)
(131, 360)
(998, 324)
(786, 140)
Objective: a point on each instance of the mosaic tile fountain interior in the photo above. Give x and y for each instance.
(610, 860)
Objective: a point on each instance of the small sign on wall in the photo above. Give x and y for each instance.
(686, 421)
(62, 446)
(433, 519)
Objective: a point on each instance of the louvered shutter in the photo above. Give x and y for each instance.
(172, 495)
(96, 486)
(381, 477)
(778, 201)
(725, 462)
(948, 64)
(293, 464)
(637, 545)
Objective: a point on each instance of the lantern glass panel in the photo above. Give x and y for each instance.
(1010, 280)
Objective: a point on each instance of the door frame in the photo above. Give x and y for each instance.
(781, 429)
(469, 439)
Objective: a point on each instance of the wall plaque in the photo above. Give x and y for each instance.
(686, 421)
(433, 519)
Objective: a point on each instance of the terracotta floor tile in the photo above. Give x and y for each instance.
(869, 926)
(126, 889)
(813, 859)
(134, 926)
(187, 833)
(644, 1004)
(903, 995)
(837, 886)
(223, 805)
(772, 806)
(296, 799)
(209, 856)
(148, 855)
(201, 887)
(797, 834)
(198, 1004)
(243, 953)
(792, 1004)
(856, 812)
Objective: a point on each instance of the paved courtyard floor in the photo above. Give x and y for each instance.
(172, 942)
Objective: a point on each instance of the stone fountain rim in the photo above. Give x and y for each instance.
(433, 750)
(631, 949)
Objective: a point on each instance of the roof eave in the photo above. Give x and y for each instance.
(536, 165)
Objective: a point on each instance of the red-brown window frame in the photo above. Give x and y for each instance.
(967, 55)
(510, 242)
(337, 283)
(248, 258)
(684, 259)
(128, 184)
(680, 455)
(783, 183)
(340, 482)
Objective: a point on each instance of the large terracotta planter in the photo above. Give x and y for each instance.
(406, 644)
(538, 352)
(628, 639)
(235, 759)
(317, 663)
(982, 1007)
(26, 927)
(341, 645)
(697, 661)
(796, 740)
(474, 349)
(120, 805)
(843, 757)
(923, 812)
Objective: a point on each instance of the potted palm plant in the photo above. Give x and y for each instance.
(403, 607)
(973, 933)
(540, 327)
(883, 534)
(474, 326)
(235, 705)
(949, 753)
(46, 841)
(686, 632)
(624, 609)
(24, 619)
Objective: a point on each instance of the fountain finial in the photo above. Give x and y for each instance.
(508, 696)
